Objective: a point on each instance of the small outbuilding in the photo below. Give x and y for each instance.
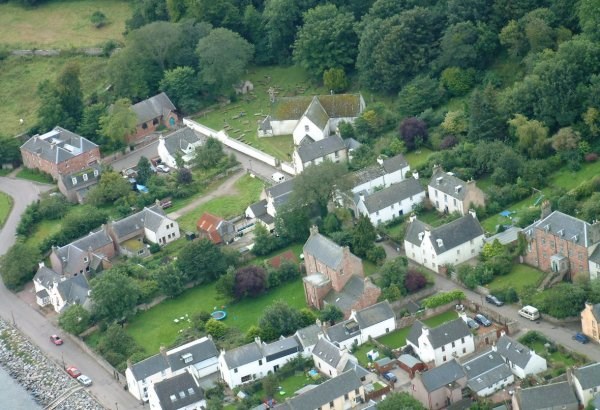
(385, 364)
(411, 364)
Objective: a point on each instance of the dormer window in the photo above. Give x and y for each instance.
(95, 172)
(85, 177)
(85, 259)
(187, 358)
(74, 180)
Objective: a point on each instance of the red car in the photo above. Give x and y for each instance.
(73, 372)
(56, 340)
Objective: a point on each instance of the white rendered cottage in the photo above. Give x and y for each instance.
(442, 343)
(375, 320)
(521, 360)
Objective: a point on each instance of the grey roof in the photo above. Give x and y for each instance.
(393, 194)
(513, 351)
(153, 107)
(452, 234)
(323, 393)
(178, 391)
(285, 346)
(75, 252)
(259, 208)
(507, 236)
(280, 193)
(308, 336)
(442, 375)
(149, 218)
(324, 250)
(350, 294)
(147, 367)
(595, 256)
(327, 352)
(441, 335)
(353, 365)
(413, 230)
(343, 331)
(409, 360)
(179, 140)
(448, 183)
(83, 179)
(317, 114)
(368, 174)
(58, 145)
(374, 314)
(46, 276)
(242, 355)
(568, 227)
(415, 331)
(549, 396)
(588, 376)
(200, 350)
(485, 370)
(74, 290)
(394, 164)
(319, 149)
(42, 293)
(351, 143)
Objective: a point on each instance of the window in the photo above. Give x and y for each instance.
(458, 251)
(387, 330)
(464, 350)
(462, 339)
(543, 241)
(85, 259)
(331, 404)
(443, 358)
(454, 201)
(445, 198)
(346, 396)
(453, 344)
(443, 348)
(155, 121)
(337, 154)
(580, 256)
(85, 177)
(235, 370)
(95, 172)
(144, 126)
(306, 128)
(246, 378)
(260, 362)
(356, 392)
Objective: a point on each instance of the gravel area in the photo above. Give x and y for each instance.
(41, 377)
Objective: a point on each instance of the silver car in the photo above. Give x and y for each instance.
(83, 379)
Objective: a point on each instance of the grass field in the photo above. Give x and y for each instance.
(288, 82)
(6, 204)
(43, 230)
(248, 189)
(20, 77)
(33, 175)
(155, 327)
(417, 158)
(519, 277)
(61, 23)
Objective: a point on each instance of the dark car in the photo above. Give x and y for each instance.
(472, 324)
(581, 338)
(483, 320)
(390, 377)
(493, 299)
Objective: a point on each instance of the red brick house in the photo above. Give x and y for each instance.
(59, 152)
(152, 113)
(214, 228)
(334, 275)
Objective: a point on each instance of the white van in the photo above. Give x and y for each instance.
(529, 312)
(278, 177)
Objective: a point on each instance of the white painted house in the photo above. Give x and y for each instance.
(329, 359)
(375, 321)
(449, 194)
(180, 392)
(594, 264)
(452, 243)
(392, 202)
(521, 360)
(150, 223)
(487, 373)
(309, 153)
(198, 358)
(181, 143)
(586, 381)
(442, 343)
(388, 171)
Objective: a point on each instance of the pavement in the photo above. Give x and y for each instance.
(31, 322)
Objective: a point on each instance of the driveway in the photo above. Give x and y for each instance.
(28, 318)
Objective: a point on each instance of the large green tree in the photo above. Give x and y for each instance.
(201, 261)
(209, 155)
(75, 319)
(281, 17)
(120, 122)
(402, 401)
(316, 184)
(110, 188)
(279, 319)
(466, 45)
(326, 40)
(68, 88)
(589, 18)
(89, 127)
(485, 120)
(50, 112)
(181, 85)
(114, 295)
(363, 236)
(18, 265)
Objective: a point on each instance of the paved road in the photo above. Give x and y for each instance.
(35, 326)
(560, 334)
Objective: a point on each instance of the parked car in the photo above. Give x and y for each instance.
(162, 168)
(73, 372)
(83, 379)
(472, 324)
(493, 299)
(581, 338)
(390, 377)
(482, 320)
(56, 340)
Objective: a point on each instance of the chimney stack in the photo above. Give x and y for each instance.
(546, 209)
(314, 230)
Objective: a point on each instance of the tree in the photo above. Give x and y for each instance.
(209, 155)
(201, 261)
(224, 13)
(420, 93)
(532, 136)
(363, 236)
(307, 317)
(157, 41)
(279, 319)
(223, 57)
(291, 224)
(89, 126)
(589, 19)
(493, 249)
(413, 132)
(458, 81)
(117, 346)
(394, 272)
(144, 170)
(110, 188)
(170, 280)
(466, 45)
(50, 112)
(10, 152)
(119, 123)
(281, 19)
(18, 265)
(402, 400)
(98, 19)
(114, 294)
(331, 314)
(181, 85)
(485, 121)
(315, 185)
(326, 40)
(249, 281)
(270, 385)
(226, 283)
(68, 89)
(335, 80)
(184, 176)
(414, 281)
(75, 319)
(216, 329)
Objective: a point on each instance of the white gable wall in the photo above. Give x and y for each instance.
(378, 329)
(285, 127)
(307, 127)
(489, 390)
(404, 207)
(165, 156)
(382, 181)
(441, 201)
(140, 388)
(462, 347)
(325, 367)
(167, 232)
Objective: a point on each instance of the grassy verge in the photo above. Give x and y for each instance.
(61, 24)
(34, 175)
(519, 277)
(6, 204)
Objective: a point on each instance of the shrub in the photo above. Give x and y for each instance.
(448, 142)
(591, 157)
(98, 19)
(457, 80)
(443, 298)
(414, 281)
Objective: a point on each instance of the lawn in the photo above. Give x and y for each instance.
(61, 24)
(287, 81)
(519, 277)
(33, 175)
(248, 189)
(418, 158)
(155, 327)
(289, 386)
(397, 338)
(43, 230)
(20, 76)
(6, 204)
(489, 224)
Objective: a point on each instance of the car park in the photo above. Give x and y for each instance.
(390, 377)
(83, 379)
(73, 372)
(581, 338)
(482, 320)
(472, 324)
(493, 299)
(56, 340)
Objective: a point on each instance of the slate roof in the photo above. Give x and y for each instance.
(343, 331)
(452, 234)
(412, 231)
(149, 217)
(440, 376)
(178, 392)
(147, 367)
(448, 183)
(566, 226)
(81, 183)
(374, 314)
(513, 351)
(200, 350)
(393, 194)
(283, 347)
(153, 107)
(323, 393)
(74, 290)
(485, 370)
(549, 396)
(596, 311)
(350, 294)
(73, 253)
(327, 352)
(317, 114)
(46, 277)
(259, 208)
(319, 149)
(280, 193)
(352, 144)
(308, 336)
(265, 124)
(441, 335)
(368, 174)
(352, 365)
(58, 145)
(242, 355)
(335, 106)
(394, 164)
(179, 140)
(324, 250)
(588, 376)
(507, 236)
(409, 360)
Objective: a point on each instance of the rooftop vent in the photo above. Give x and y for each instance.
(561, 232)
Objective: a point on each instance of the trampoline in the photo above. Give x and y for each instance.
(219, 314)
